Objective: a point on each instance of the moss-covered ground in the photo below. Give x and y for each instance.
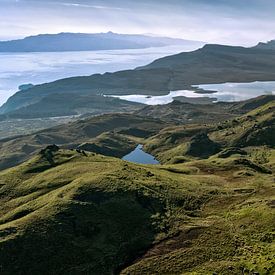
(78, 212)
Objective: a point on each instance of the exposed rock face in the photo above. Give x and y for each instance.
(201, 146)
(52, 148)
(231, 151)
(48, 152)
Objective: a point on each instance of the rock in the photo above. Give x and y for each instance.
(51, 148)
(201, 146)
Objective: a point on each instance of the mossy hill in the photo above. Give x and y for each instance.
(165, 130)
(207, 209)
(73, 212)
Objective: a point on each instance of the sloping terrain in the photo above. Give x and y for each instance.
(210, 64)
(58, 105)
(73, 212)
(178, 112)
(117, 134)
(14, 150)
(270, 45)
(255, 128)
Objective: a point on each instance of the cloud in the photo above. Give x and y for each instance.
(79, 5)
(242, 22)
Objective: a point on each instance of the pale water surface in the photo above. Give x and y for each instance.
(225, 92)
(37, 68)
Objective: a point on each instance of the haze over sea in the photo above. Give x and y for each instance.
(36, 68)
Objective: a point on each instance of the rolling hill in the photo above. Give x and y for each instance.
(77, 212)
(14, 150)
(117, 134)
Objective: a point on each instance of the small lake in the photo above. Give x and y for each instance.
(139, 156)
(224, 92)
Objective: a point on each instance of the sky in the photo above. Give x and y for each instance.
(232, 22)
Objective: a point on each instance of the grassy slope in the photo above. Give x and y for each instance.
(257, 127)
(94, 214)
(232, 233)
(15, 150)
(81, 213)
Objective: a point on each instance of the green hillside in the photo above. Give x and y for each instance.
(208, 209)
(255, 128)
(14, 150)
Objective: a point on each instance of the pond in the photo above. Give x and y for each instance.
(139, 156)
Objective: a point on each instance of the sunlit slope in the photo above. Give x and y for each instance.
(17, 149)
(76, 212)
(180, 143)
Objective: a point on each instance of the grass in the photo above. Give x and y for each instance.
(95, 214)
(68, 211)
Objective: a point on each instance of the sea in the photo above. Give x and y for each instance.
(37, 68)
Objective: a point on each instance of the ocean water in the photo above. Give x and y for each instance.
(224, 92)
(37, 68)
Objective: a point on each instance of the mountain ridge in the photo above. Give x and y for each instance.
(270, 45)
(117, 127)
(88, 42)
(209, 65)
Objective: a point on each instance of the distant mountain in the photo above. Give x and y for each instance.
(88, 42)
(210, 64)
(270, 45)
(216, 57)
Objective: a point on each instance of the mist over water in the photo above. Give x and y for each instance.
(37, 68)
(240, 91)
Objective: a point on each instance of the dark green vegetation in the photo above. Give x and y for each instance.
(104, 132)
(116, 135)
(211, 64)
(208, 209)
(254, 128)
